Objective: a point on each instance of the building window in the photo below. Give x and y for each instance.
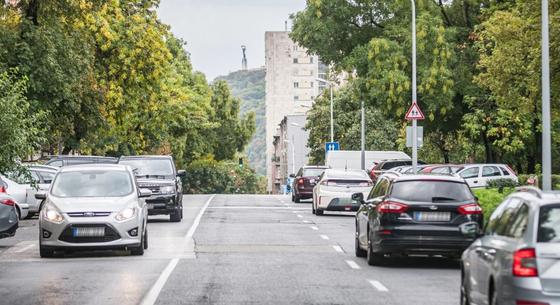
(296, 98)
(311, 59)
(296, 85)
(312, 98)
(311, 84)
(295, 47)
(295, 60)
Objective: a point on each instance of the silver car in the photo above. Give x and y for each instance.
(93, 207)
(517, 260)
(8, 216)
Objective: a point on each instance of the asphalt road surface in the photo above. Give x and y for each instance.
(227, 250)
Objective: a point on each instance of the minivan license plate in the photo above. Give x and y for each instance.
(432, 216)
(88, 232)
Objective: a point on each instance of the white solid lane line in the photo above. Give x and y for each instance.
(325, 237)
(151, 297)
(153, 294)
(314, 228)
(377, 285)
(352, 264)
(306, 221)
(300, 216)
(196, 222)
(338, 249)
(25, 248)
(256, 207)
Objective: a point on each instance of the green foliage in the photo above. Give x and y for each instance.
(208, 176)
(555, 180)
(490, 199)
(249, 87)
(19, 126)
(500, 184)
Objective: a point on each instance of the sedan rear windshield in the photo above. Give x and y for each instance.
(313, 172)
(431, 191)
(549, 224)
(92, 183)
(346, 183)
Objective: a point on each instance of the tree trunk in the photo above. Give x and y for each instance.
(487, 148)
(32, 11)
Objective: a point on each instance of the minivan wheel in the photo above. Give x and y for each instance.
(140, 249)
(146, 240)
(359, 251)
(176, 216)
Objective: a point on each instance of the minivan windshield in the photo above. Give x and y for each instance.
(92, 183)
(549, 224)
(150, 167)
(431, 191)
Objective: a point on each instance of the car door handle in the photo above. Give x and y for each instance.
(476, 181)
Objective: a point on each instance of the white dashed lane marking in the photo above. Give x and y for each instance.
(352, 264)
(377, 285)
(338, 249)
(325, 237)
(314, 228)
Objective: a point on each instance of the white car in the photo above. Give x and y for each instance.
(334, 190)
(23, 190)
(478, 175)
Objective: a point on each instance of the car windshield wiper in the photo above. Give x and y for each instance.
(439, 199)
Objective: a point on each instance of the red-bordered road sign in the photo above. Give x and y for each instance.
(414, 113)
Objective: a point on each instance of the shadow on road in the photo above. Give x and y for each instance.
(422, 262)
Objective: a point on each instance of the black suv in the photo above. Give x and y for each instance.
(158, 174)
(65, 160)
(416, 214)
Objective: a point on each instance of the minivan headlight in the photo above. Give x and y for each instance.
(170, 189)
(125, 214)
(52, 215)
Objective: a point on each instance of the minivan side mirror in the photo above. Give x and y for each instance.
(144, 193)
(359, 197)
(181, 173)
(41, 195)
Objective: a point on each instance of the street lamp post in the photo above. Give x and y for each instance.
(363, 136)
(414, 94)
(291, 143)
(546, 141)
(332, 116)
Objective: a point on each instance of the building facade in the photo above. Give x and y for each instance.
(291, 88)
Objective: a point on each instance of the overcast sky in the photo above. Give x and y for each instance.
(216, 29)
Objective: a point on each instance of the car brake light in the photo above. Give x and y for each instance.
(2, 189)
(300, 181)
(9, 202)
(470, 209)
(525, 302)
(525, 263)
(392, 207)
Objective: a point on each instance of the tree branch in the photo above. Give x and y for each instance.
(447, 21)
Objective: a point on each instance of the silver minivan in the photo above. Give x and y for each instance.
(93, 207)
(517, 258)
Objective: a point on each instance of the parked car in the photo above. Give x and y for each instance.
(304, 182)
(517, 258)
(334, 190)
(9, 219)
(384, 166)
(65, 160)
(93, 207)
(477, 175)
(441, 169)
(23, 187)
(415, 214)
(158, 174)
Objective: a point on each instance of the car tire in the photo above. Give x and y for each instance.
(176, 216)
(45, 252)
(319, 212)
(464, 294)
(373, 259)
(293, 198)
(359, 251)
(493, 297)
(313, 207)
(30, 215)
(137, 251)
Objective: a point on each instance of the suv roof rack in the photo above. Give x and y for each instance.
(530, 189)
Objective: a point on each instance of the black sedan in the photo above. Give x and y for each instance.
(416, 214)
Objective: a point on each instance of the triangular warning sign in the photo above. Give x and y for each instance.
(414, 113)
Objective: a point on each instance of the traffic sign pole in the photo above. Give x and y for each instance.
(414, 95)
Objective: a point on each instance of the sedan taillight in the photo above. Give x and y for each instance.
(2, 189)
(392, 207)
(470, 209)
(525, 263)
(300, 181)
(9, 202)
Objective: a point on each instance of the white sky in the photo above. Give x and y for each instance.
(215, 29)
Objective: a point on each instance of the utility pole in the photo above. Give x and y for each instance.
(330, 83)
(244, 60)
(546, 142)
(414, 94)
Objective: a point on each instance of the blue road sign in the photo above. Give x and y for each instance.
(329, 146)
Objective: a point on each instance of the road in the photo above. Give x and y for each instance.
(229, 249)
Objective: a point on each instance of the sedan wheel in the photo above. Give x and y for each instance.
(359, 251)
(373, 259)
(464, 293)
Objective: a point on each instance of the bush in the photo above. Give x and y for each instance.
(208, 176)
(555, 180)
(490, 198)
(501, 183)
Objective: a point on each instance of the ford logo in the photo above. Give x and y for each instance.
(89, 214)
(433, 207)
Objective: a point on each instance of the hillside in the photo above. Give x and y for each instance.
(250, 88)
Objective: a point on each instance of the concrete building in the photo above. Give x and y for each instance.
(290, 150)
(291, 87)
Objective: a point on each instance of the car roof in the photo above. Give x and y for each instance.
(536, 196)
(349, 174)
(315, 166)
(43, 167)
(146, 157)
(85, 167)
(58, 157)
(432, 177)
